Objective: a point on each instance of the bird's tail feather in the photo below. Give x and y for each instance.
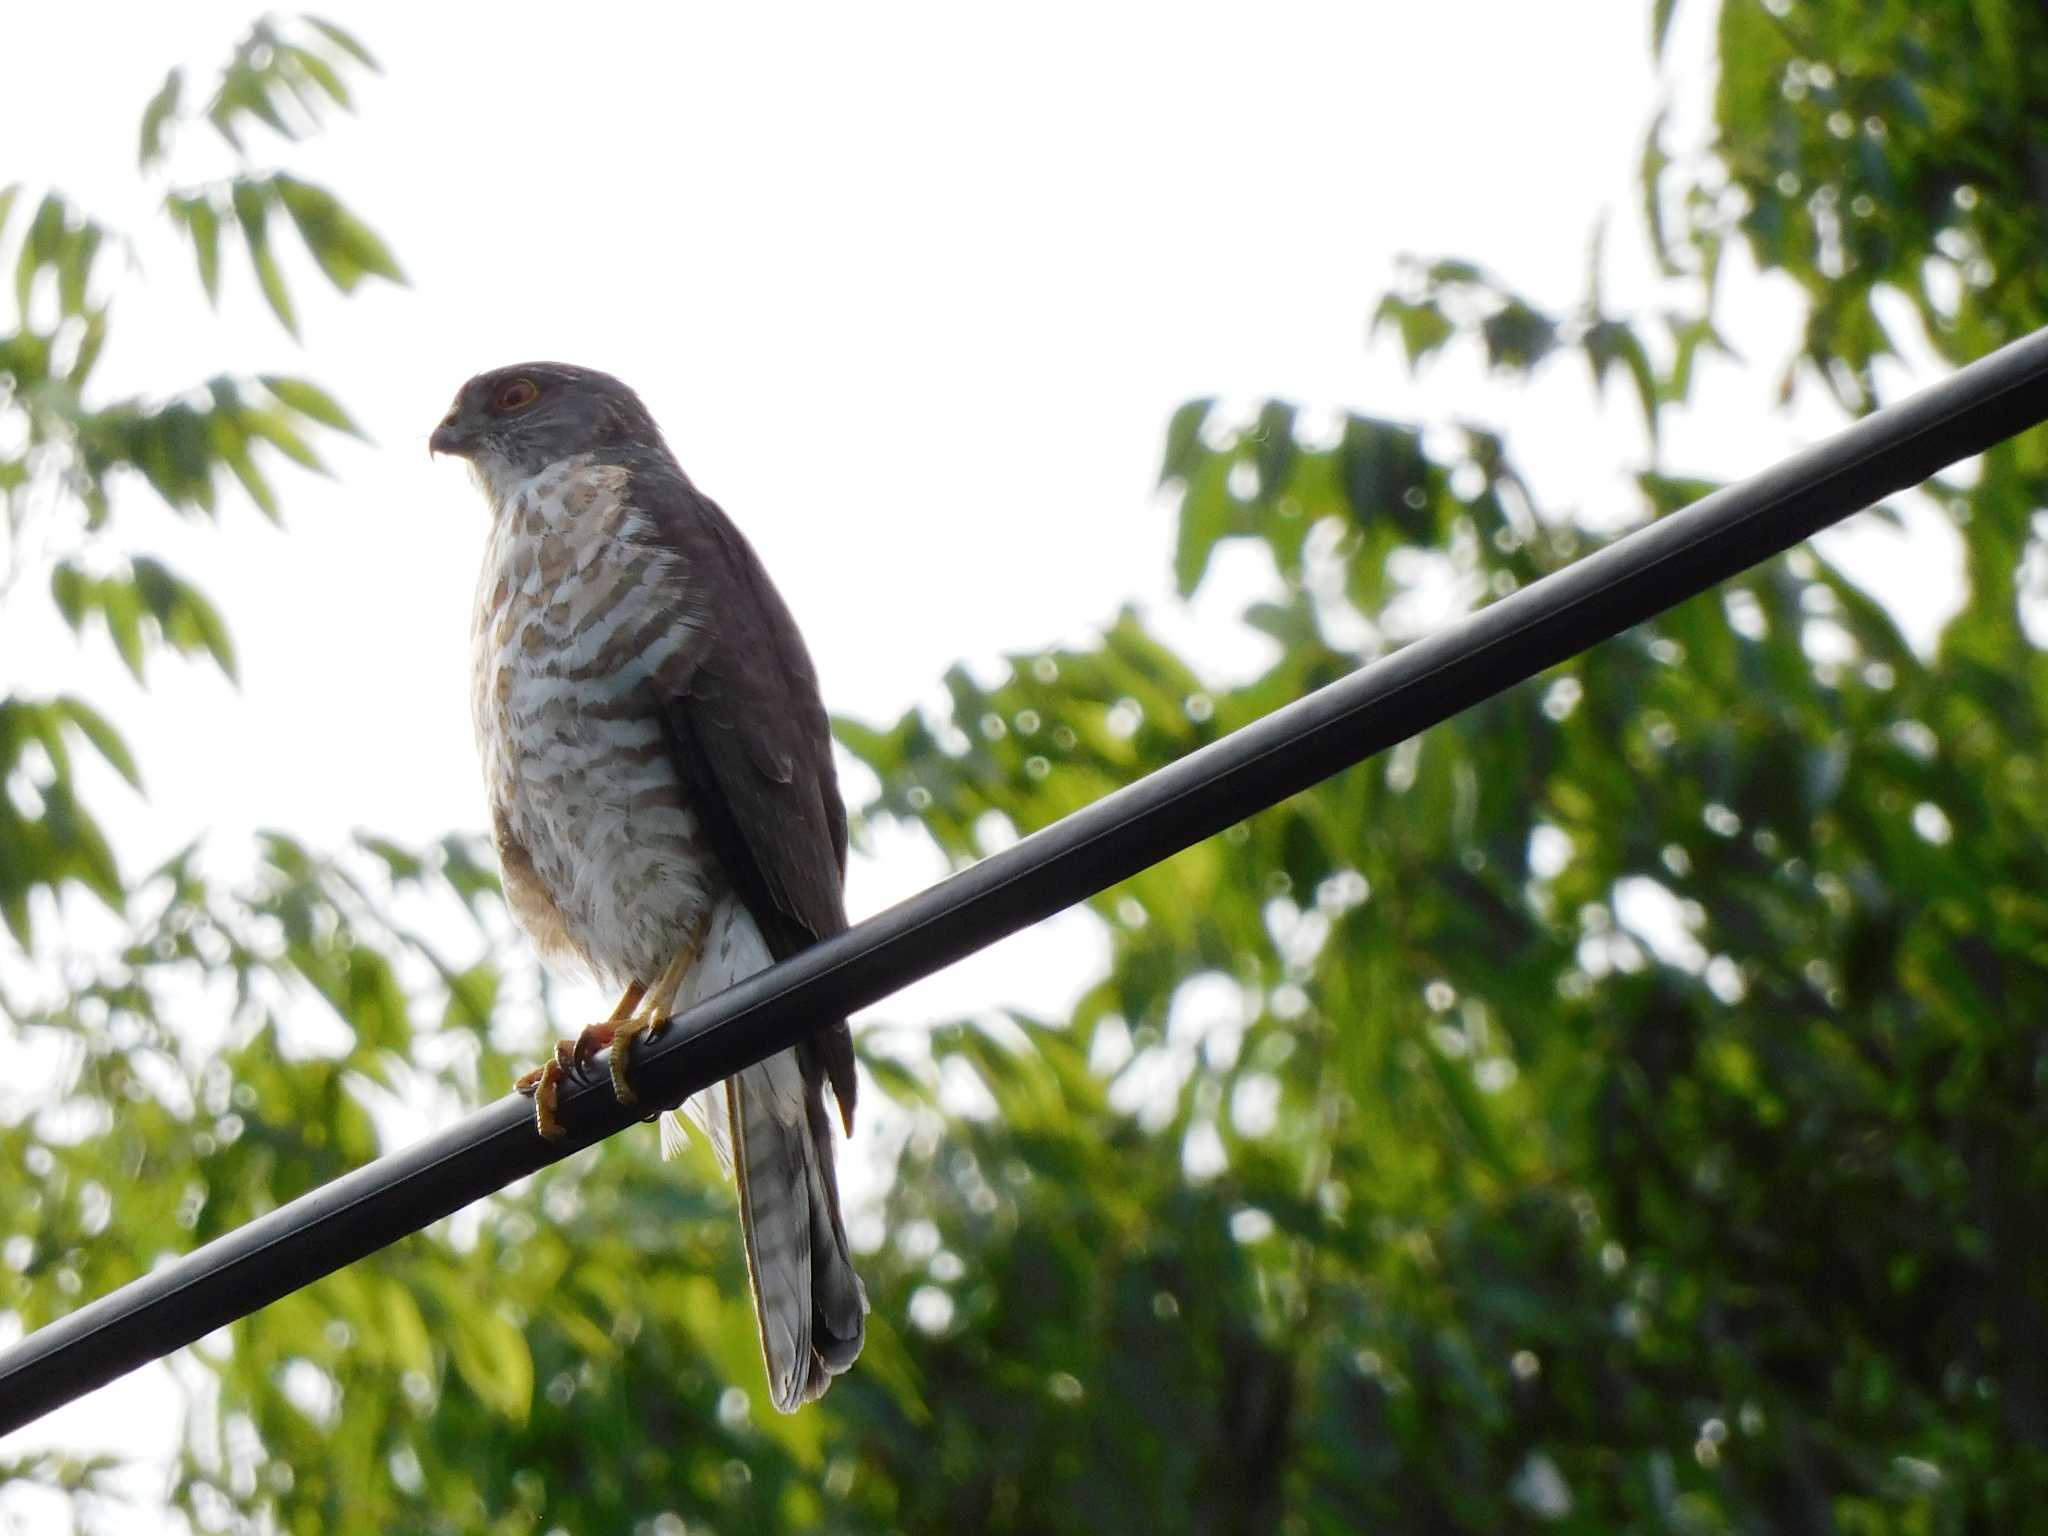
(807, 1298)
(773, 1133)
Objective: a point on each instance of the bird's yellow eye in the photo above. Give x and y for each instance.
(517, 395)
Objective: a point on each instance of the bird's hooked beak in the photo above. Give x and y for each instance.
(449, 437)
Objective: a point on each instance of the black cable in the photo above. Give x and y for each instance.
(1628, 581)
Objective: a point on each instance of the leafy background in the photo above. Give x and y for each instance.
(1622, 1107)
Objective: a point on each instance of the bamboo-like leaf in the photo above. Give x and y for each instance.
(90, 345)
(242, 464)
(121, 605)
(1660, 25)
(252, 201)
(92, 861)
(310, 400)
(492, 1358)
(210, 630)
(345, 248)
(202, 221)
(346, 42)
(74, 269)
(157, 587)
(37, 247)
(71, 589)
(274, 429)
(403, 1332)
(105, 739)
(188, 618)
(322, 74)
(158, 117)
(14, 909)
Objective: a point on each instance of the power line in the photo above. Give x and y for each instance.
(1506, 643)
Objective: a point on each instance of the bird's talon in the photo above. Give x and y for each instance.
(593, 1039)
(541, 1085)
(614, 1038)
(647, 1029)
(616, 1059)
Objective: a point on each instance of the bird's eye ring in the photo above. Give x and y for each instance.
(517, 395)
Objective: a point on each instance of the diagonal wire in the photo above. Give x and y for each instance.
(1506, 643)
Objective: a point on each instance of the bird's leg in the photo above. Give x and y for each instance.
(650, 1016)
(544, 1081)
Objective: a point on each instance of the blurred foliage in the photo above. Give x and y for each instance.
(62, 453)
(1621, 1108)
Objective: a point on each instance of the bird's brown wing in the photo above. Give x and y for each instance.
(752, 744)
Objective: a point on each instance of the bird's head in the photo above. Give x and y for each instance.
(512, 423)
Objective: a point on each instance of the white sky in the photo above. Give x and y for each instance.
(912, 289)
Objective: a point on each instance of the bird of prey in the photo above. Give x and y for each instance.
(666, 814)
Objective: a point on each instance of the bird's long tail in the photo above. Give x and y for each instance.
(807, 1298)
(772, 1130)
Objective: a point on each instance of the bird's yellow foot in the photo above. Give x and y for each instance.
(572, 1058)
(648, 1015)
(616, 1040)
(544, 1082)
(642, 1011)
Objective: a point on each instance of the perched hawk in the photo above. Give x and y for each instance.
(662, 797)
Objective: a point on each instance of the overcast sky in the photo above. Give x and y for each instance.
(912, 290)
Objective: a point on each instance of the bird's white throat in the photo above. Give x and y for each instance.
(503, 482)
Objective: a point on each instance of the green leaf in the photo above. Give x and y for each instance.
(242, 464)
(346, 42)
(104, 738)
(310, 400)
(403, 1332)
(198, 615)
(1650, 180)
(14, 908)
(375, 1004)
(402, 863)
(276, 430)
(897, 1080)
(1206, 518)
(252, 200)
(74, 269)
(121, 606)
(71, 589)
(1273, 448)
(491, 1357)
(38, 246)
(472, 995)
(1518, 337)
(1660, 25)
(189, 621)
(345, 248)
(1609, 344)
(1383, 468)
(161, 112)
(88, 857)
(90, 345)
(202, 221)
(1423, 327)
(322, 74)
(1184, 440)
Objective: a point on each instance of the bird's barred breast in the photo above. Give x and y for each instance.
(579, 615)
